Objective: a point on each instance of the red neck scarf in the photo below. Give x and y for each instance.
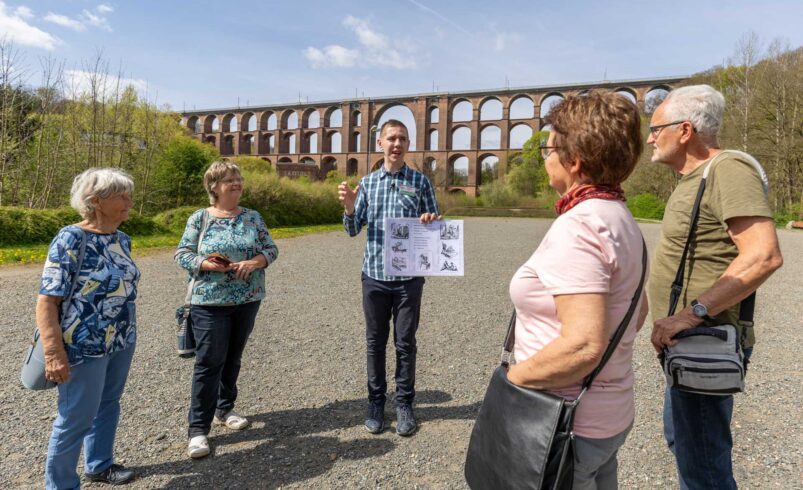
(588, 191)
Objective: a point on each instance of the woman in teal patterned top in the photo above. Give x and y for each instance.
(227, 259)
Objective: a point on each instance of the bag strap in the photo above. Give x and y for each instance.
(748, 304)
(510, 338)
(191, 285)
(74, 283)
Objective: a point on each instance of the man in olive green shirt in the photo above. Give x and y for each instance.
(734, 251)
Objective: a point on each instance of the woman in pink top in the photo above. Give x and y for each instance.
(577, 286)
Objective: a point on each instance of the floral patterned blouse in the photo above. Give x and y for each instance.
(241, 237)
(101, 316)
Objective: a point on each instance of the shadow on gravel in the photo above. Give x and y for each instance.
(288, 449)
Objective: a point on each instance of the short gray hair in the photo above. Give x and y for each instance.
(98, 182)
(701, 105)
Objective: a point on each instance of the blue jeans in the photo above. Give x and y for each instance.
(88, 413)
(221, 333)
(697, 430)
(400, 300)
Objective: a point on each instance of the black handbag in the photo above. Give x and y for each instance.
(522, 438)
(185, 340)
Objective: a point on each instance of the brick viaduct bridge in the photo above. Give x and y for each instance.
(462, 139)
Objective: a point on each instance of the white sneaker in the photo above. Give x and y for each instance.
(198, 447)
(232, 420)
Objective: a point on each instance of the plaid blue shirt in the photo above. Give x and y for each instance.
(404, 194)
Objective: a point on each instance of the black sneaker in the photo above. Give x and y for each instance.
(116, 474)
(405, 420)
(375, 423)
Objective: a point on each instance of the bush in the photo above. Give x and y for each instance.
(252, 165)
(646, 206)
(21, 226)
(175, 219)
(285, 202)
(498, 194)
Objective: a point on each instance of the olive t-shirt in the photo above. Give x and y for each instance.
(734, 188)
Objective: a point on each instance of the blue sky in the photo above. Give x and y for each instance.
(207, 54)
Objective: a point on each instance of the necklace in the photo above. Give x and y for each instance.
(226, 213)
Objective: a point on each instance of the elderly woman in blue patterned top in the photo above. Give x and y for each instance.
(225, 298)
(88, 349)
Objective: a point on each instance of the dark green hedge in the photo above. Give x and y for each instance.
(21, 226)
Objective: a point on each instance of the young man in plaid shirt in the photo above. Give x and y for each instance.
(392, 191)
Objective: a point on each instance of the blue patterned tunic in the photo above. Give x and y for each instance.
(101, 316)
(239, 238)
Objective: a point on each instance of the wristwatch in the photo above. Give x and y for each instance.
(701, 311)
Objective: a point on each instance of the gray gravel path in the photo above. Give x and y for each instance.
(303, 381)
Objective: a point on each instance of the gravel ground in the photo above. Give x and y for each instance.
(303, 381)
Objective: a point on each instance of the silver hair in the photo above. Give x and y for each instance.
(97, 182)
(701, 105)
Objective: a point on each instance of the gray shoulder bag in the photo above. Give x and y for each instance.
(32, 374)
(185, 340)
(707, 359)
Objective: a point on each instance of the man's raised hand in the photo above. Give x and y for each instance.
(347, 196)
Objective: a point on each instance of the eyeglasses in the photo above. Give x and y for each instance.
(233, 180)
(547, 150)
(656, 130)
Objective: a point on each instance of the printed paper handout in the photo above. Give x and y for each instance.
(414, 249)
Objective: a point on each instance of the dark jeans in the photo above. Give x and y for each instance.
(402, 301)
(220, 336)
(697, 430)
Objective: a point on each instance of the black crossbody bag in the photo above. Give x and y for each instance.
(522, 438)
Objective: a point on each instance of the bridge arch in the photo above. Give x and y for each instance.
(333, 118)
(432, 140)
(267, 121)
(628, 93)
(246, 145)
(248, 122)
(519, 134)
(521, 107)
(194, 124)
(211, 124)
(491, 109)
(461, 138)
(433, 114)
(462, 110)
(489, 168)
(490, 137)
(290, 119)
(311, 119)
(229, 123)
(458, 170)
(548, 101)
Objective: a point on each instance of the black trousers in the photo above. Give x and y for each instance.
(401, 301)
(221, 333)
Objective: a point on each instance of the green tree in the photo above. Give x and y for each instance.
(526, 174)
(180, 169)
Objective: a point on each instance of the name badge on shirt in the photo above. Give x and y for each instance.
(407, 190)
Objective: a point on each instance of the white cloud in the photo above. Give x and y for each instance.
(98, 21)
(333, 55)
(79, 82)
(15, 28)
(65, 21)
(24, 12)
(376, 50)
(84, 19)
